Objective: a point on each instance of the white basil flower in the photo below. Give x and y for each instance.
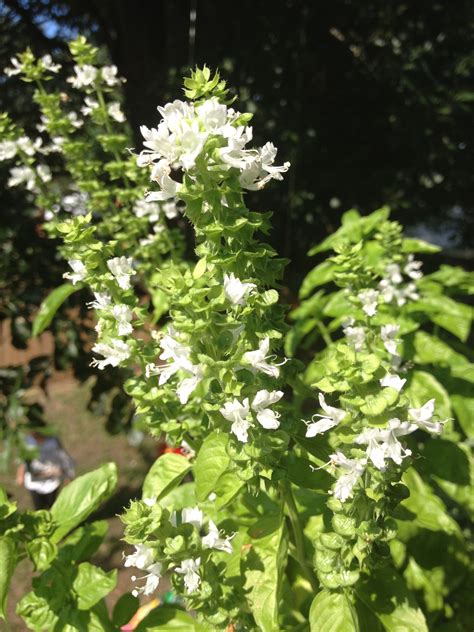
(115, 112)
(109, 75)
(332, 418)
(123, 315)
(85, 76)
(192, 515)
(191, 144)
(8, 149)
(382, 443)
(121, 269)
(369, 299)
(141, 558)
(115, 352)
(27, 146)
(102, 300)
(393, 381)
(422, 417)
(355, 335)
(268, 419)
(152, 578)
(79, 271)
(238, 413)
(22, 175)
(174, 113)
(188, 384)
(48, 64)
(213, 540)
(15, 69)
(160, 173)
(393, 273)
(235, 291)
(90, 106)
(212, 114)
(150, 210)
(389, 337)
(258, 359)
(412, 268)
(189, 568)
(354, 469)
(75, 120)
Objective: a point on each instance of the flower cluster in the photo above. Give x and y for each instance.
(158, 556)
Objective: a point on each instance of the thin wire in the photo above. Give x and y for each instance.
(192, 31)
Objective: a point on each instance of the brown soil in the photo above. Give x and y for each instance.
(84, 437)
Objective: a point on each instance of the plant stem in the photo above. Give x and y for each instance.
(324, 333)
(298, 534)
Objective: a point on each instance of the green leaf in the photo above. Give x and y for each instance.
(84, 541)
(42, 552)
(428, 509)
(92, 584)
(263, 569)
(211, 470)
(124, 609)
(411, 244)
(376, 404)
(464, 409)
(165, 474)
(453, 316)
(385, 593)
(332, 612)
(8, 558)
(81, 497)
(199, 268)
(180, 497)
(320, 275)
(424, 386)
(50, 306)
(300, 473)
(36, 613)
(165, 618)
(353, 229)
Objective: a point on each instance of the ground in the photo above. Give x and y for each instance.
(84, 437)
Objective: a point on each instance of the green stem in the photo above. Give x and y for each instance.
(324, 333)
(298, 534)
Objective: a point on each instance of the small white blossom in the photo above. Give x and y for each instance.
(393, 381)
(109, 75)
(121, 268)
(368, 299)
(267, 418)
(22, 175)
(238, 413)
(212, 114)
(355, 336)
(115, 112)
(192, 515)
(79, 271)
(115, 352)
(412, 268)
(382, 443)
(48, 64)
(123, 315)
(189, 568)
(332, 418)
(213, 540)
(90, 106)
(393, 273)
(422, 418)
(15, 69)
(8, 149)
(389, 337)
(141, 558)
(354, 469)
(258, 359)
(84, 77)
(235, 291)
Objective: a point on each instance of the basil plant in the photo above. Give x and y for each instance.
(308, 485)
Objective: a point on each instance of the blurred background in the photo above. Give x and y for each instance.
(372, 103)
